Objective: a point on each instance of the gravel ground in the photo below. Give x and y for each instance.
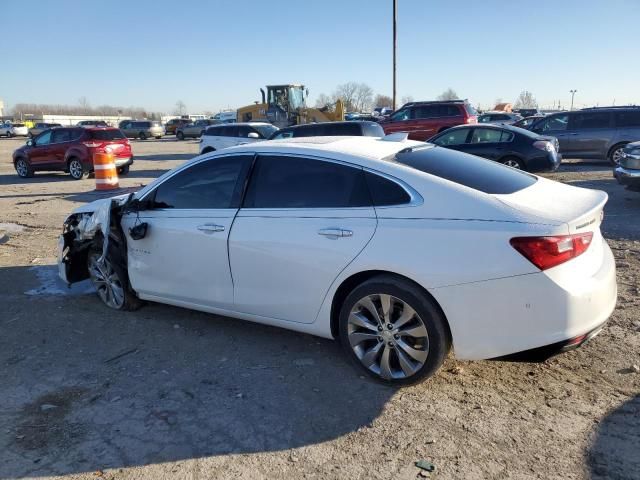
(170, 393)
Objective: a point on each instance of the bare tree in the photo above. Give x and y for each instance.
(323, 100)
(382, 101)
(448, 94)
(526, 100)
(364, 98)
(181, 108)
(85, 108)
(347, 92)
(406, 99)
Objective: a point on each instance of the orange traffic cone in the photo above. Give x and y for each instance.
(105, 170)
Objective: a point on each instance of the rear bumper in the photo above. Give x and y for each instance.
(544, 163)
(122, 162)
(516, 314)
(626, 176)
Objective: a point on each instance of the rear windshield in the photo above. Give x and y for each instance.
(106, 134)
(470, 109)
(474, 172)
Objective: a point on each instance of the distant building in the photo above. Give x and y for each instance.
(503, 107)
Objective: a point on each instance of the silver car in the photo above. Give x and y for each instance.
(499, 118)
(194, 130)
(38, 128)
(142, 129)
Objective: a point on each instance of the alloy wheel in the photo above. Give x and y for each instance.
(388, 336)
(22, 168)
(107, 282)
(617, 155)
(510, 162)
(75, 169)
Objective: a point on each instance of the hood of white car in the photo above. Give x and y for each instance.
(96, 204)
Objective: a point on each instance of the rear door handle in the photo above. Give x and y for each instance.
(335, 232)
(210, 228)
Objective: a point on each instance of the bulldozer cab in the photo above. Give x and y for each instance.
(284, 104)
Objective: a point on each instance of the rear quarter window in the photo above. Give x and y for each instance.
(474, 172)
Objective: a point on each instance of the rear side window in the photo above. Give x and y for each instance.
(490, 135)
(212, 132)
(61, 135)
(629, 118)
(297, 182)
(385, 192)
(210, 184)
(470, 110)
(468, 170)
(588, 120)
(372, 130)
(106, 135)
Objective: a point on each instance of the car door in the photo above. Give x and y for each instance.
(556, 126)
(183, 259)
(41, 153)
(304, 219)
(399, 121)
(60, 141)
(590, 133)
(488, 143)
(425, 123)
(229, 137)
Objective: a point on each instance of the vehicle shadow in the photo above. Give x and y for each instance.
(614, 452)
(85, 388)
(39, 177)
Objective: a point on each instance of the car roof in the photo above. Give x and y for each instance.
(240, 124)
(101, 128)
(345, 122)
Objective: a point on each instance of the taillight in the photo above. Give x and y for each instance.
(472, 119)
(548, 252)
(92, 144)
(544, 145)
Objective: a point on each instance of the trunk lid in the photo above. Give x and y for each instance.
(581, 209)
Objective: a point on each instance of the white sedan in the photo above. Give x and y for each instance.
(14, 130)
(401, 250)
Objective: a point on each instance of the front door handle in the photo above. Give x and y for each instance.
(211, 228)
(335, 232)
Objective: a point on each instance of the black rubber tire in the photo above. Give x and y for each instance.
(122, 171)
(28, 168)
(142, 136)
(30, 135)
(180, 136)
(131, 301)
(85, 172)
(612, 152)
(521, 165)
(422, 303)
(158, 138)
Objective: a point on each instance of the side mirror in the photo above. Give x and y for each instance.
(253, 135)
(30, 142)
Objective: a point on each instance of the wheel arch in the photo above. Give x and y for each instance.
(358, 278)
(616, 145)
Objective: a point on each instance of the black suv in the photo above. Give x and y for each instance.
(329, 129)
(598, 133)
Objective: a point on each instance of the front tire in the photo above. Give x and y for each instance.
(77, 170)
(393, 331)
(616, 154)
(23, 169)
(111, 282)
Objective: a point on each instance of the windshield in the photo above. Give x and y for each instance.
(296, 97)
(265, 130)
(470, 109)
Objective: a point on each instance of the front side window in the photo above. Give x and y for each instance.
(44, 138)
(589, 120)
(400, 115)
(453, 137)
(283, 134)
(214, 183)
(553, 124)
(265, 130)
(297, 182)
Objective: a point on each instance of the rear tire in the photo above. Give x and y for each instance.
(407, 345)
(23, 169)
(122, 171)
(158, 138)
(513, 162)
(142, 136)
(76, 169)
(615, 153)
(180, 136)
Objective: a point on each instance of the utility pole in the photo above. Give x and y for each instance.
(395, 46)
(573, 93)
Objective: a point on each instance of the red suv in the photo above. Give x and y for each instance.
(71, 149)
(422, 120)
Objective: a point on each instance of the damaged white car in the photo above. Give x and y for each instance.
(400, 249)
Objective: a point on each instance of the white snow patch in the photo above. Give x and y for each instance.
(51, 284)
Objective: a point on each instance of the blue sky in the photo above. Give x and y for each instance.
(217, 54)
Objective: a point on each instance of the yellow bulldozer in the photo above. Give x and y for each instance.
(285, 105)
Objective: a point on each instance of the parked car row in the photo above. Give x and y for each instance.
(14, 130)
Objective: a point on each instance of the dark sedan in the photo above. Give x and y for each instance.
(505, 144)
